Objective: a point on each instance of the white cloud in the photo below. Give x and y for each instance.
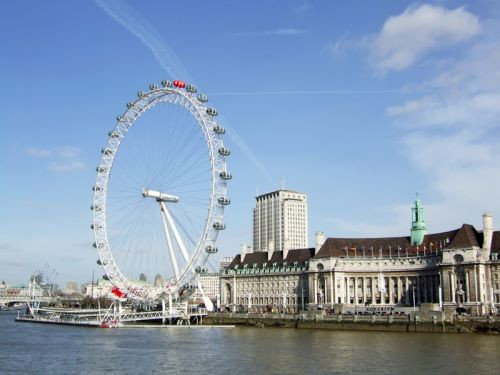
(68, 152)
(61, 159)
(407, 37)
(38, 152)
(452, 136)
(66, 166)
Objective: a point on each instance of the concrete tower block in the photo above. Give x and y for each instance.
(320, 240)
(487, 231)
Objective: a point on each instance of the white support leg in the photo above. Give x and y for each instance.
(164, 218)
(177, 236)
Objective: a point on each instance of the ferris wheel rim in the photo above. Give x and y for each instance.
(207, 124)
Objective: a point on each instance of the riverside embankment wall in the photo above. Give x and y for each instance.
(407, 323)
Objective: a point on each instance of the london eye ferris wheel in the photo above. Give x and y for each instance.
(160, 192)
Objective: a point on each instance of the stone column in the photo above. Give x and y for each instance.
(475, 284)
(400, 286)
(374, 299)
(332, 288)
(391, 291)
(315, 290)
(234, 290)
(407, 297)
(452, 283)
(467, 287)
(355, 290)
(365, 294)
(347, 290)
(479, 281)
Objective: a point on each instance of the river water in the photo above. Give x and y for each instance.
(48, 349)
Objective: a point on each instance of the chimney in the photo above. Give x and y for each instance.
(320, 240)
(243, 251)
(487, 231)
(286, 247)
(270, 250)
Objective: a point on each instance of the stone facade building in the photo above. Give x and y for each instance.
(453, 271)
(267, 281)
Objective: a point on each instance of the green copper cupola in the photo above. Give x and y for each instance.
(418, 228)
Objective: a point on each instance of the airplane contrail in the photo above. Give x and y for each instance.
(167, 58)
(147, 34)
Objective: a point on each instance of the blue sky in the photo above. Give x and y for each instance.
(359, 104)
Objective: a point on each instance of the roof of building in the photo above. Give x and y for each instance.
(260, 257)
(495, 242)
(277, 191)
(465, 236)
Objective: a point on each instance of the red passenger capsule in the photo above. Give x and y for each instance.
(179, 84)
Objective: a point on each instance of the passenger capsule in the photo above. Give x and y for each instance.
(202, 98)
(114, 134)
(212, 111)
(105, 277)
(140, 94)
(99, 262)
(224, 151)
(211, 249)
(120, 118)
(153, 87)
(96, 188)
(225, 175)
(200, 270)
(219, 129)
(101, 169)
(165, 83)
(95, 208)
(191, 88)
(130, 105)
(106, 151)
(92, 226)
(179, 84)
(219, 226)
(224, 201)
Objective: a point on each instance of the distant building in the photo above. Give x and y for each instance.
(158, 280)
(102, 289)
(210, 283)
(280, 221)
(72, 285)
(143, 278)
(453, 271)
(224, 263)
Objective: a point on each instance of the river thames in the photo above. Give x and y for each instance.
(28, 348)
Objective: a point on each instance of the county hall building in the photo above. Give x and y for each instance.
(452, 271)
